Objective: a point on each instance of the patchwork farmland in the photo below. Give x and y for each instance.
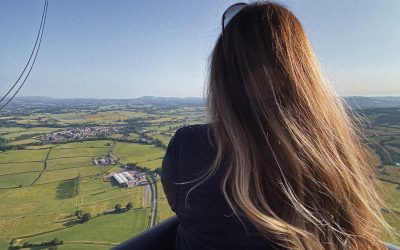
(51, 190)
(45, 178)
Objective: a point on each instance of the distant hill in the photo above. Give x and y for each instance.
(363, 102)
(91, 101)
(357, 102)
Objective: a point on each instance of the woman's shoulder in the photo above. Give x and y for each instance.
(195, 129)
(195, 147)
(195, 137)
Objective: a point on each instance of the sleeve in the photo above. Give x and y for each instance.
(169, 171)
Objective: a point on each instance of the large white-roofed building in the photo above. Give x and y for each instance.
(128, 179)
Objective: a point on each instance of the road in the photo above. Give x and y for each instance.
(154, 199)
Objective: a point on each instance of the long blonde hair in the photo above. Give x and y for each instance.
(298, 170)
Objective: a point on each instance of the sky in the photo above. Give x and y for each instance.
(127, 49)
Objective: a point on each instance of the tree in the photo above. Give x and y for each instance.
(131, 165)
(3, 144)
(129, 206)
(79, 214)
(56, 241)
(118, 207)
(86, 217)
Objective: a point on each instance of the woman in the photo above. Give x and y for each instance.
(280, 164)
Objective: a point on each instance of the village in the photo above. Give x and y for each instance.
(82, 133)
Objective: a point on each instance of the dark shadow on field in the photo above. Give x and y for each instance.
(69, 216)
(72, 223)
(33, 248)
(66, 189)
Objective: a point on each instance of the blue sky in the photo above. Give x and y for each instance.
(125, 49)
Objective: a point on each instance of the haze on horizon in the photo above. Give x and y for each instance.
(127, 49)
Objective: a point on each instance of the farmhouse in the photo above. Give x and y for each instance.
(105, 160)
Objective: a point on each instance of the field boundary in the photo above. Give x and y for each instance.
(44, 167)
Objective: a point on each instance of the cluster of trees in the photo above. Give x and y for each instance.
(4, 147)
(133, 125)
(83, 217)
(134, 166)
(159, 144)
(53, 244)
(118, 207)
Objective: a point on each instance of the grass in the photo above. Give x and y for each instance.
(4, 243)
(51, 202)
(77, 152)
(78, 246)
(85, 144)
(29, 131)
(69, 173)
(51, 206)
(133, 152)
(113, 228)
(14, 180)
(108, 203)
(104, 117)
(163, 210)
(23, 156)
(394, 221)
(10, 130)
(23, 142)
(151, 164)
(33, 200)
(163, 138)
(133, 136)
(12, 168)
(390, 173)
(390, 193)
(46, 146)
(62, 163)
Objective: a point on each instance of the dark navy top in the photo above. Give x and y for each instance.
(206, 221)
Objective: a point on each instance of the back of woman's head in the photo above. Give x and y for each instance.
(298, 171)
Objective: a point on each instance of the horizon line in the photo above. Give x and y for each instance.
(177, 97)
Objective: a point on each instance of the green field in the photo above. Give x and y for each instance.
(77, 152)
(11, 168)
(47, 199)
(137, 153)
(25, 132)
(153, 164)
(14, 156)
(16, 180)
(69, 162)
(110, 230)
(42, 184)
(4, 243)
(164, 210)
